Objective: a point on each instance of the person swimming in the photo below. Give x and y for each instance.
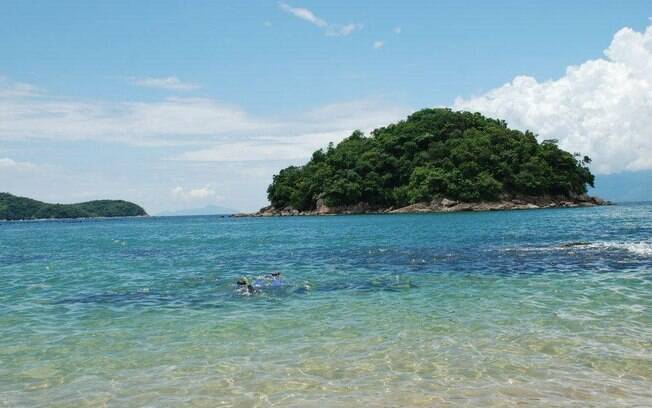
(244, 287)
(270, 280)
(275, 278)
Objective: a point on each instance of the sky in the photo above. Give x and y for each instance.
(177, 105)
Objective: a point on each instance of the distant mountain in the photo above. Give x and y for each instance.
(22, 208)
(625, 186)
(208, 210)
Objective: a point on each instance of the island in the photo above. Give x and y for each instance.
(22, 208)
(437, 160)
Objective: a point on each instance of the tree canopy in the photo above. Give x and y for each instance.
(433, 153)
(22, 208)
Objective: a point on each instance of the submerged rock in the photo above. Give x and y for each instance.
(575, 244)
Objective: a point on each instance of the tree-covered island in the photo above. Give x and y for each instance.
(435, 160)
(23, 208)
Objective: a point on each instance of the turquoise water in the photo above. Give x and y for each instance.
(484, 309)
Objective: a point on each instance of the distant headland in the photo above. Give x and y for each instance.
(23, 208)
(437, 160)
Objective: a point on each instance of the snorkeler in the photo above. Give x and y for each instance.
(270, 280)
(244, 287)
(276, 279)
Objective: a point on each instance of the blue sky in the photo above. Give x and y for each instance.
(182, 104)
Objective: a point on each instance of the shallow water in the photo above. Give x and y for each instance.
(486, 309)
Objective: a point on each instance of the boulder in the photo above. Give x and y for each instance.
(414, 208)
(599, 201)
(322, 208)
(448, 203)
(490, 206)
(460, 207)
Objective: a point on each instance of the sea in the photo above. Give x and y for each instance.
(517, 308)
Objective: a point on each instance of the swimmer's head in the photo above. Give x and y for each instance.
(243, 282)
(276, 274)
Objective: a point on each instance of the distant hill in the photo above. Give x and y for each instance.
(23, 208)
(625, 186)
(208, 210)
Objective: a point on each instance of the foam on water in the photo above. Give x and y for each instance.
(636, 248)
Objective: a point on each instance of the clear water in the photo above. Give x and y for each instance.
(484, 309)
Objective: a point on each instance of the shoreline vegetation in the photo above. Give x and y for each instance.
(14, 208)
(437, 160)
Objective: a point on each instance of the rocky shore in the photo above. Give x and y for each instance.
(438, 205)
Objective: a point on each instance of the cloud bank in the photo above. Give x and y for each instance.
(196, 194)
(601, 107)
(300, 137)
(208, 129)
(171, 121)
(10, 164)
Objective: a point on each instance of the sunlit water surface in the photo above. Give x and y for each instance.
(484, 309)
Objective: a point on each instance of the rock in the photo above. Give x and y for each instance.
(491, 206)
(321, 207)
(287, 211)
(599, 201)
(414, 208)
(575, 244)
(448, 203)
(438, 205)
(359, 208)
(460, 207)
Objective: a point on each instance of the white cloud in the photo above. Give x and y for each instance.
(336, 30)
(298, 139)
(166, 122)
(210, 125)
(601, 107)
(197, 194)
(378, 45)
(250, 151)
(168, 83)
(10, 89)
(303, 14)
(332, 30)
(10, 164)
(397, 30)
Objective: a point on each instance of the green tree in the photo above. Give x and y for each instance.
(433, 153)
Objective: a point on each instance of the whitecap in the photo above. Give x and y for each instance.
(636, 248)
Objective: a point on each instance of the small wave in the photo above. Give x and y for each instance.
(637, 248)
